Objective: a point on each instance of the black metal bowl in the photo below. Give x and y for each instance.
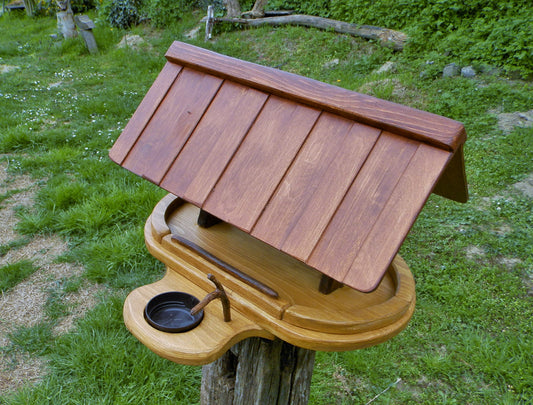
(171, 312)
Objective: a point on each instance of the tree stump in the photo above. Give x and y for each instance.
(65, 19)
(259, 371)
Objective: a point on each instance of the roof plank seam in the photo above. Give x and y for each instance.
(191, 132)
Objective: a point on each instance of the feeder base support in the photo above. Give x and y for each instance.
(259, 371)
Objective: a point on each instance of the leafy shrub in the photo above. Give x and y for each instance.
(166, 12)
(476, 31)
(49, 7)
(124, 13)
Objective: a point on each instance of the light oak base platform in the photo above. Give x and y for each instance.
(302, 316)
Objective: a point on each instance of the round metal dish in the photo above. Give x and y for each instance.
(171, 312)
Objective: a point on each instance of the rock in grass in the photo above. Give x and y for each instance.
(8, 68)
(468, 72)
(450, 70)
(331, 64)
(131, 41)
(387, 67)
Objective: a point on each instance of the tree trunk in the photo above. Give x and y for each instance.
(65, 20)
(387, 37)
(233, 7)
(259, 8)
(29, 5)
(259, 371)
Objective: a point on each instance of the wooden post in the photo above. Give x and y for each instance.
(29, 5)
(86, 25)
(259, 371)
(65, 19)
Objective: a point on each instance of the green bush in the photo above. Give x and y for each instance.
(49, 7)
(123, 13)
(163, 13)
(477, 31)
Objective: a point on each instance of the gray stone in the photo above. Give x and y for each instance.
(468, 72)
(131, 41)
(451, 70)
(331, 63)
(84, 22)
(8, 68)
(388, 67)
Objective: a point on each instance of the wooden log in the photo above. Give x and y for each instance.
(86, 25)
(385, 36)
(259, 371)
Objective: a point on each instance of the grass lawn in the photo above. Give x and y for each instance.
(471, 337)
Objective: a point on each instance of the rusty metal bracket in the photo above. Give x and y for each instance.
(218, 293)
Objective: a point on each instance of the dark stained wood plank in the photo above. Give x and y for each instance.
(144, 112)
(213, 143)
(423, 126)
(362, 205)
(314, 186)
(171, 124)
(452, 183)
(260, 162)
(398, 216)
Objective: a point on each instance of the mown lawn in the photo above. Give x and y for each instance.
(470, 340)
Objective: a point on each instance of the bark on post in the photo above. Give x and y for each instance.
(29, 5)
(233, 8)
(86, 25)
(259, 371)
(258, 9)
(65, 19)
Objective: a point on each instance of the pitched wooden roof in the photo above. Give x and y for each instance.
(329, 176)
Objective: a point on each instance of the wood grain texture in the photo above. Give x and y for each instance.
(213, 337)
(172, 124)
(315, 185)
(342, 240)
(452, 183)
(144, 112)
(218, 135)
(201, 345)
(260, 162)
(218, 380)
(399, 214)
(271, 372)
(301, 309)
(288, 159)
(422, 126)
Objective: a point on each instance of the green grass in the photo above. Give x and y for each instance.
(470, 338)
(12, 274)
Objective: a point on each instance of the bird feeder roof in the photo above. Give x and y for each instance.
(329, 176)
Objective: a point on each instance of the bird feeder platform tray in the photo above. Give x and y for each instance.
(345, 319)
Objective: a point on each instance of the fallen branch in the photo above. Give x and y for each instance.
(387, 37)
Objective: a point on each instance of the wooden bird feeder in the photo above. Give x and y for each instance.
(294, 194)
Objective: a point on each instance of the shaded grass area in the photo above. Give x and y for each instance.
(470, 338)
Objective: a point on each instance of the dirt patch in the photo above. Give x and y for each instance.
(474, 252)
(526, 186)
(24, 304)
(17, 369)
(508, 121)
